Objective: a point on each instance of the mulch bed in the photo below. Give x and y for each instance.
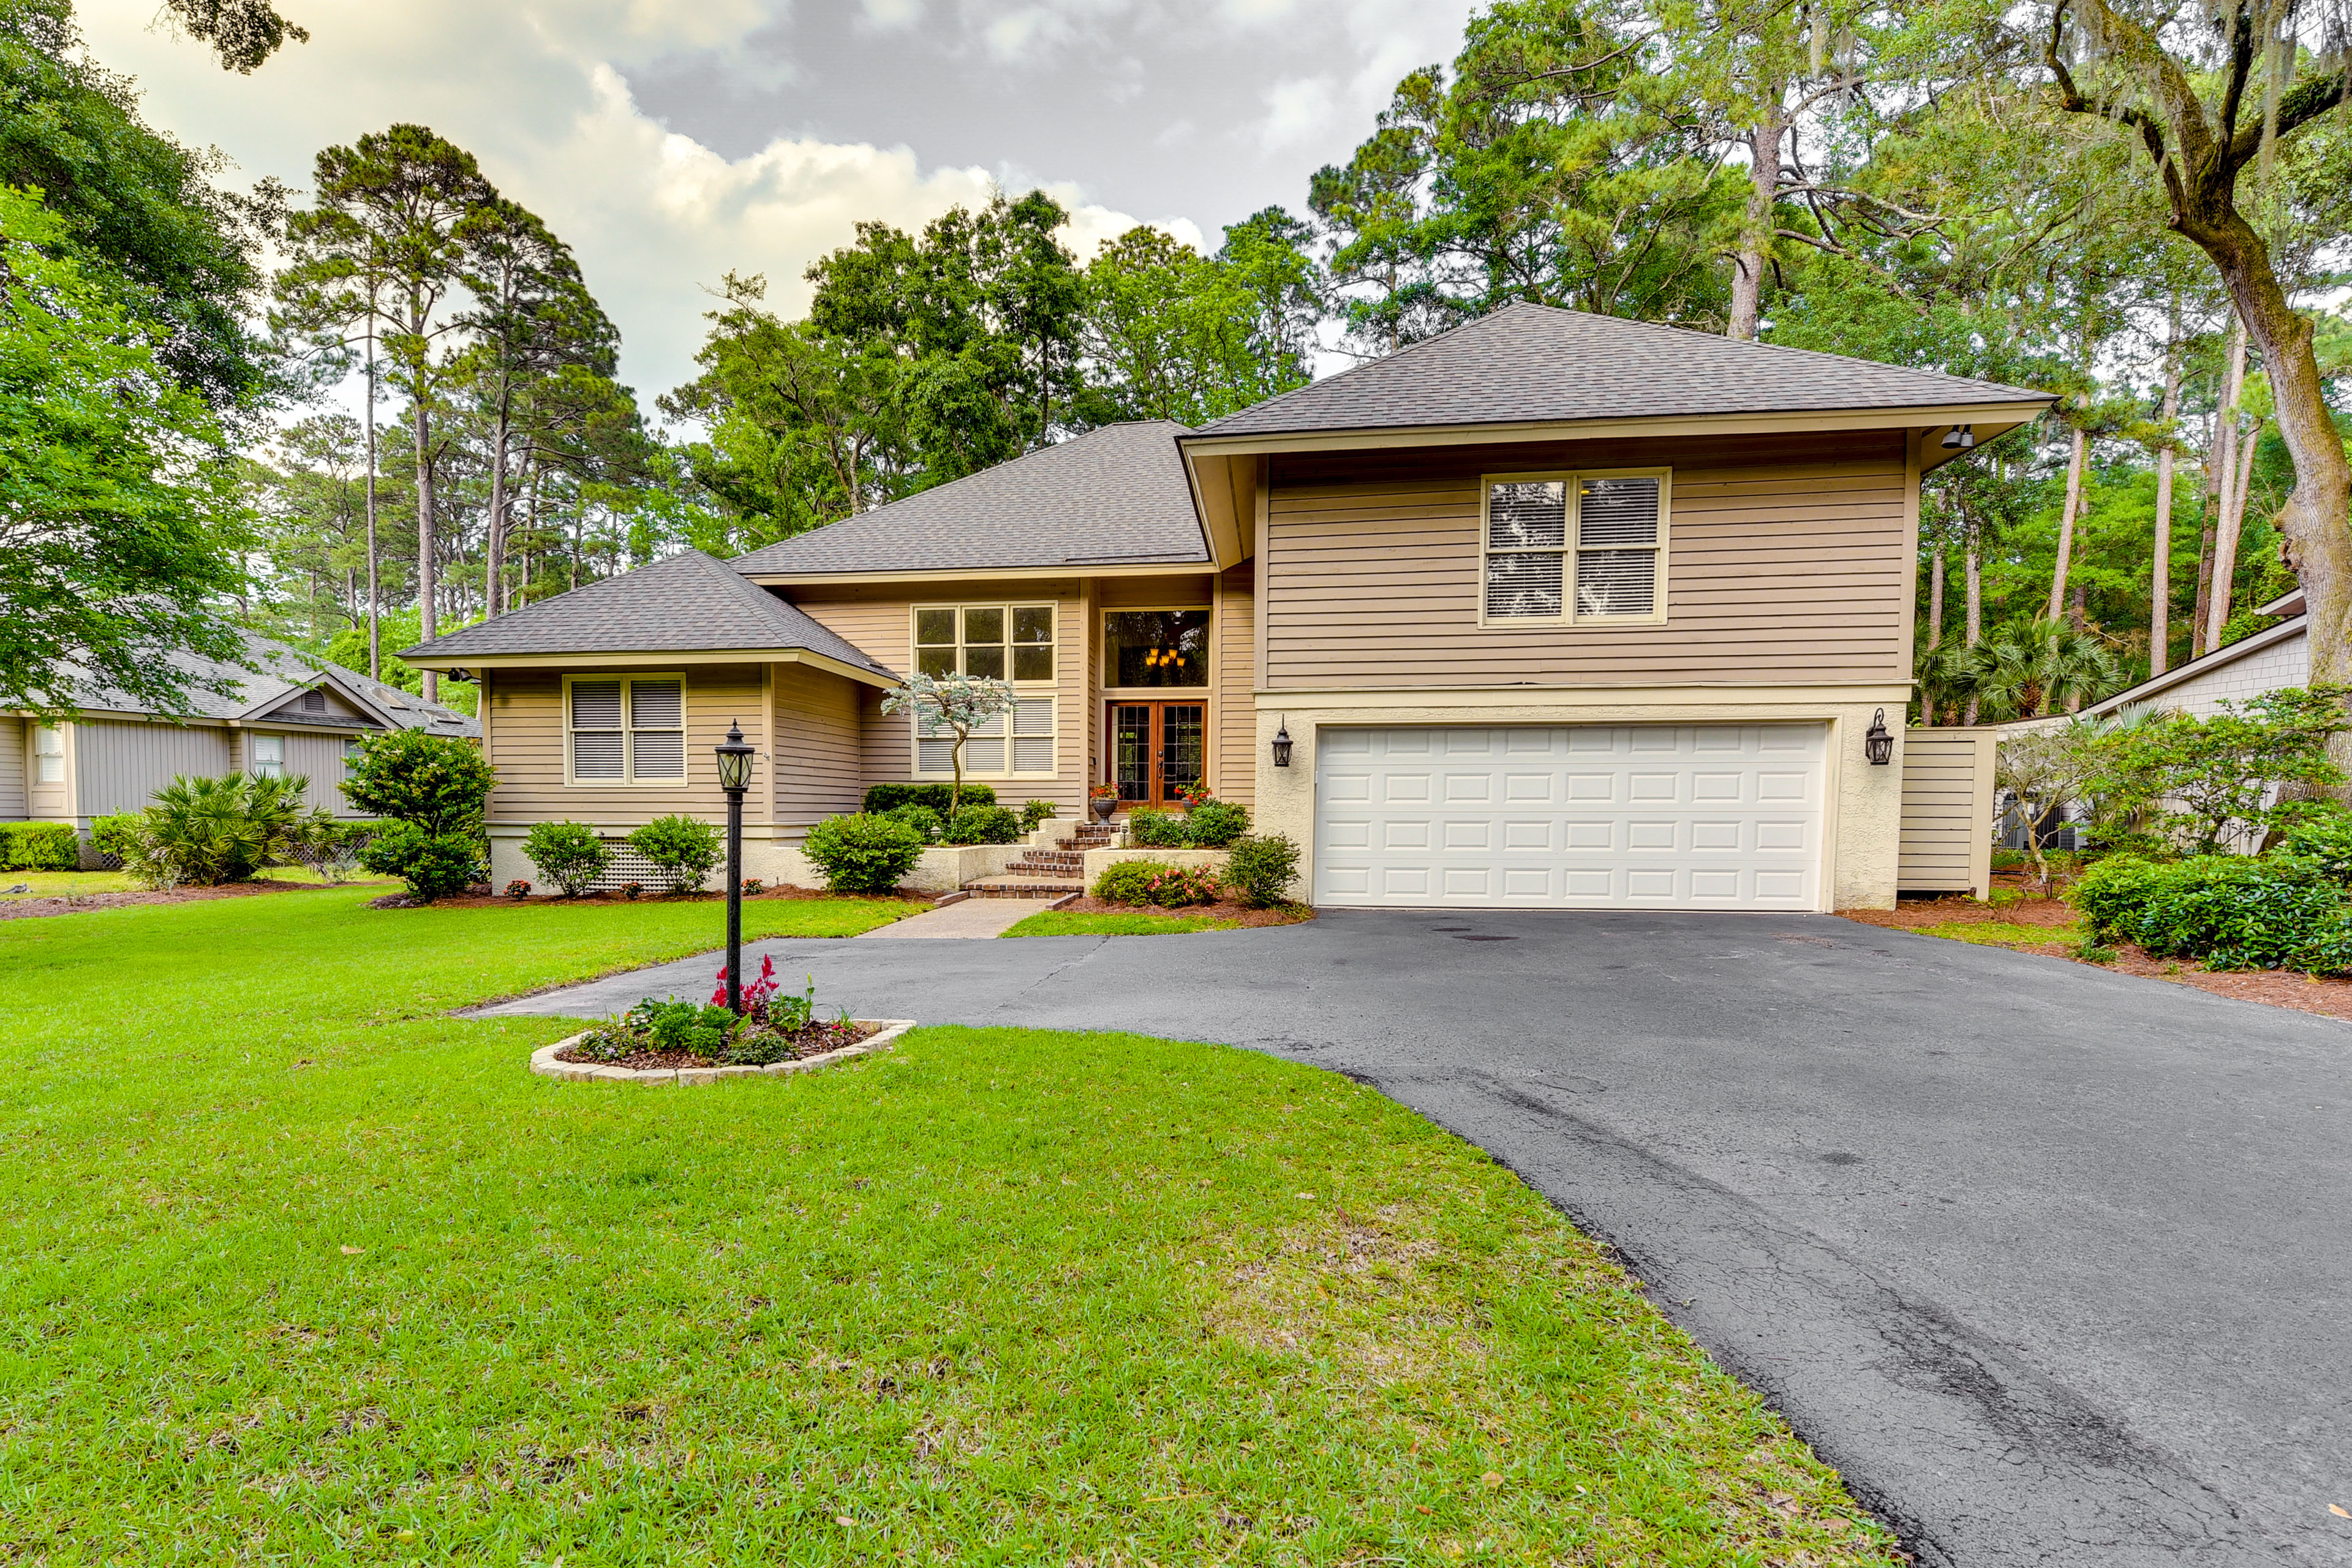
(81, 903)
(812, 1041)
(2273, 987)
(1289, 914)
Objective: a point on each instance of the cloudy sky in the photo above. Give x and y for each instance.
(669, 140)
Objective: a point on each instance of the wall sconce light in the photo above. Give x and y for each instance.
(1876, 744)
(1959, 438)
(1282, 745)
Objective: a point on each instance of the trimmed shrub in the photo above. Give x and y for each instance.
(434, 865)
(39, 847)
(982, 825)
(1033, 812)
(1259, 869)
(1216, 824)
(863, 854)
(438, 783)
(685, 850)
(922, 819)
(2234, 911)
(568, 854)
(1155, 882)
(883, 797)
(1158, 829)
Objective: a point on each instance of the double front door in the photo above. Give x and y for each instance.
(1157, 749)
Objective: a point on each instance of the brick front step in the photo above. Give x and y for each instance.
(1023, 888)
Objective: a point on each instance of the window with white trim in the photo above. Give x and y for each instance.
(48, 754)
(266, 756)
(1030, 740)
(627, 729)
(1005, 642)
(1575, 547)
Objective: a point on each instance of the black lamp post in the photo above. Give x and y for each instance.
(1876, 744)
(734, 777)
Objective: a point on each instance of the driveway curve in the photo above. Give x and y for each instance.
(2054, 1265)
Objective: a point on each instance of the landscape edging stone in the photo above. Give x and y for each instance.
(544, 1062)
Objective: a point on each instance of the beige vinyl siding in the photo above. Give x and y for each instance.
(1785, 562)
(527, 711)
(1947, 811)
(1234, 629)
(878, 619)
(15, 737)
(819, 766)
(119, 766)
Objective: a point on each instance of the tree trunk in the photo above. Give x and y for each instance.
(374, 602)
(2066, 524)
(1935, 601)
(1756, 233)
(2197, 647)
(1973, 567)
(2233, 522)
(2159, 594)
(425, 542)
(494, 548)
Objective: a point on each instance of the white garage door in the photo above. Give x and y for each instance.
(1709, 817)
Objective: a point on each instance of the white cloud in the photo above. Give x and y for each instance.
(537, 93)
(891, 15)
(1298, 112)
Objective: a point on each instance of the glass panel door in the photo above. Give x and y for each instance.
(1131, 731)
(1183, 756)
(1157, 749)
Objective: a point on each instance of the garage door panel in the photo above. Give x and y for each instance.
(1704, 816)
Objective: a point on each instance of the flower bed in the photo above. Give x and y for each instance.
(670, 1040)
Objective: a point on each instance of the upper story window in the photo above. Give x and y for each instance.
(627, 729)
(1575, 547)
(1156, 648)
(266, 756)
(1005, 642)
(48, 754)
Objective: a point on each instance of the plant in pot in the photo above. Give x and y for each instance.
(1102, 799)
(1194, 793)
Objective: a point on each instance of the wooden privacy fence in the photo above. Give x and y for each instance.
(1947, 812)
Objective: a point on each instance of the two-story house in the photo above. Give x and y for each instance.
(1551, 610)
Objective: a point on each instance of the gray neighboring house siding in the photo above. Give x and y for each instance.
(120, 764)
(15, 740)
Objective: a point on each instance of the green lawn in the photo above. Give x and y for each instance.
(295, 1268)
(2004, 933)
(1067, 922)
(57, 884)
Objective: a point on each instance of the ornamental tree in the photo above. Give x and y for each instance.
(958, 703)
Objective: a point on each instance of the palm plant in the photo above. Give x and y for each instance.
(206, 831)
(2021, 670)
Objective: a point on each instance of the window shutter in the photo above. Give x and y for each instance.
(656, 705)
(1526, 540)
(658, 754)
(597, 754)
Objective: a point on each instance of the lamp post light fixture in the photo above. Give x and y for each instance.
(1282, 744)
(1876, 744)
(734, 777)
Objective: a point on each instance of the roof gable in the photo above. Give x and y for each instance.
(1115, 496)
(686, 603)
(270, 683)
(1538, 364)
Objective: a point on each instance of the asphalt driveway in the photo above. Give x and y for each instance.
(2055, 1265)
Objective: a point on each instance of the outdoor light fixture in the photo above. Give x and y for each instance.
(734, 777)
(1876, 744)
(1282, 744)
(1959, 438)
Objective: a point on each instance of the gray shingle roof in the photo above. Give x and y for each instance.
(278, 671)
(1114, 496)
(1540, 363)
(684, 603)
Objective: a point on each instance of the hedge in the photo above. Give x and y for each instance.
(2234, 911)
(882, 797)
(39, 847)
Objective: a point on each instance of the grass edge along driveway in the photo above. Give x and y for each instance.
(295, 1266)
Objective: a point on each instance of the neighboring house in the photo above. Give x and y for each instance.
(1553, 609)
(287, 715)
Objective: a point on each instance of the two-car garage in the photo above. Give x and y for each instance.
(1722, 817)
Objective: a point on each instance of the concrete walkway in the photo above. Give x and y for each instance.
(966, 918)
(2051, 1263)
